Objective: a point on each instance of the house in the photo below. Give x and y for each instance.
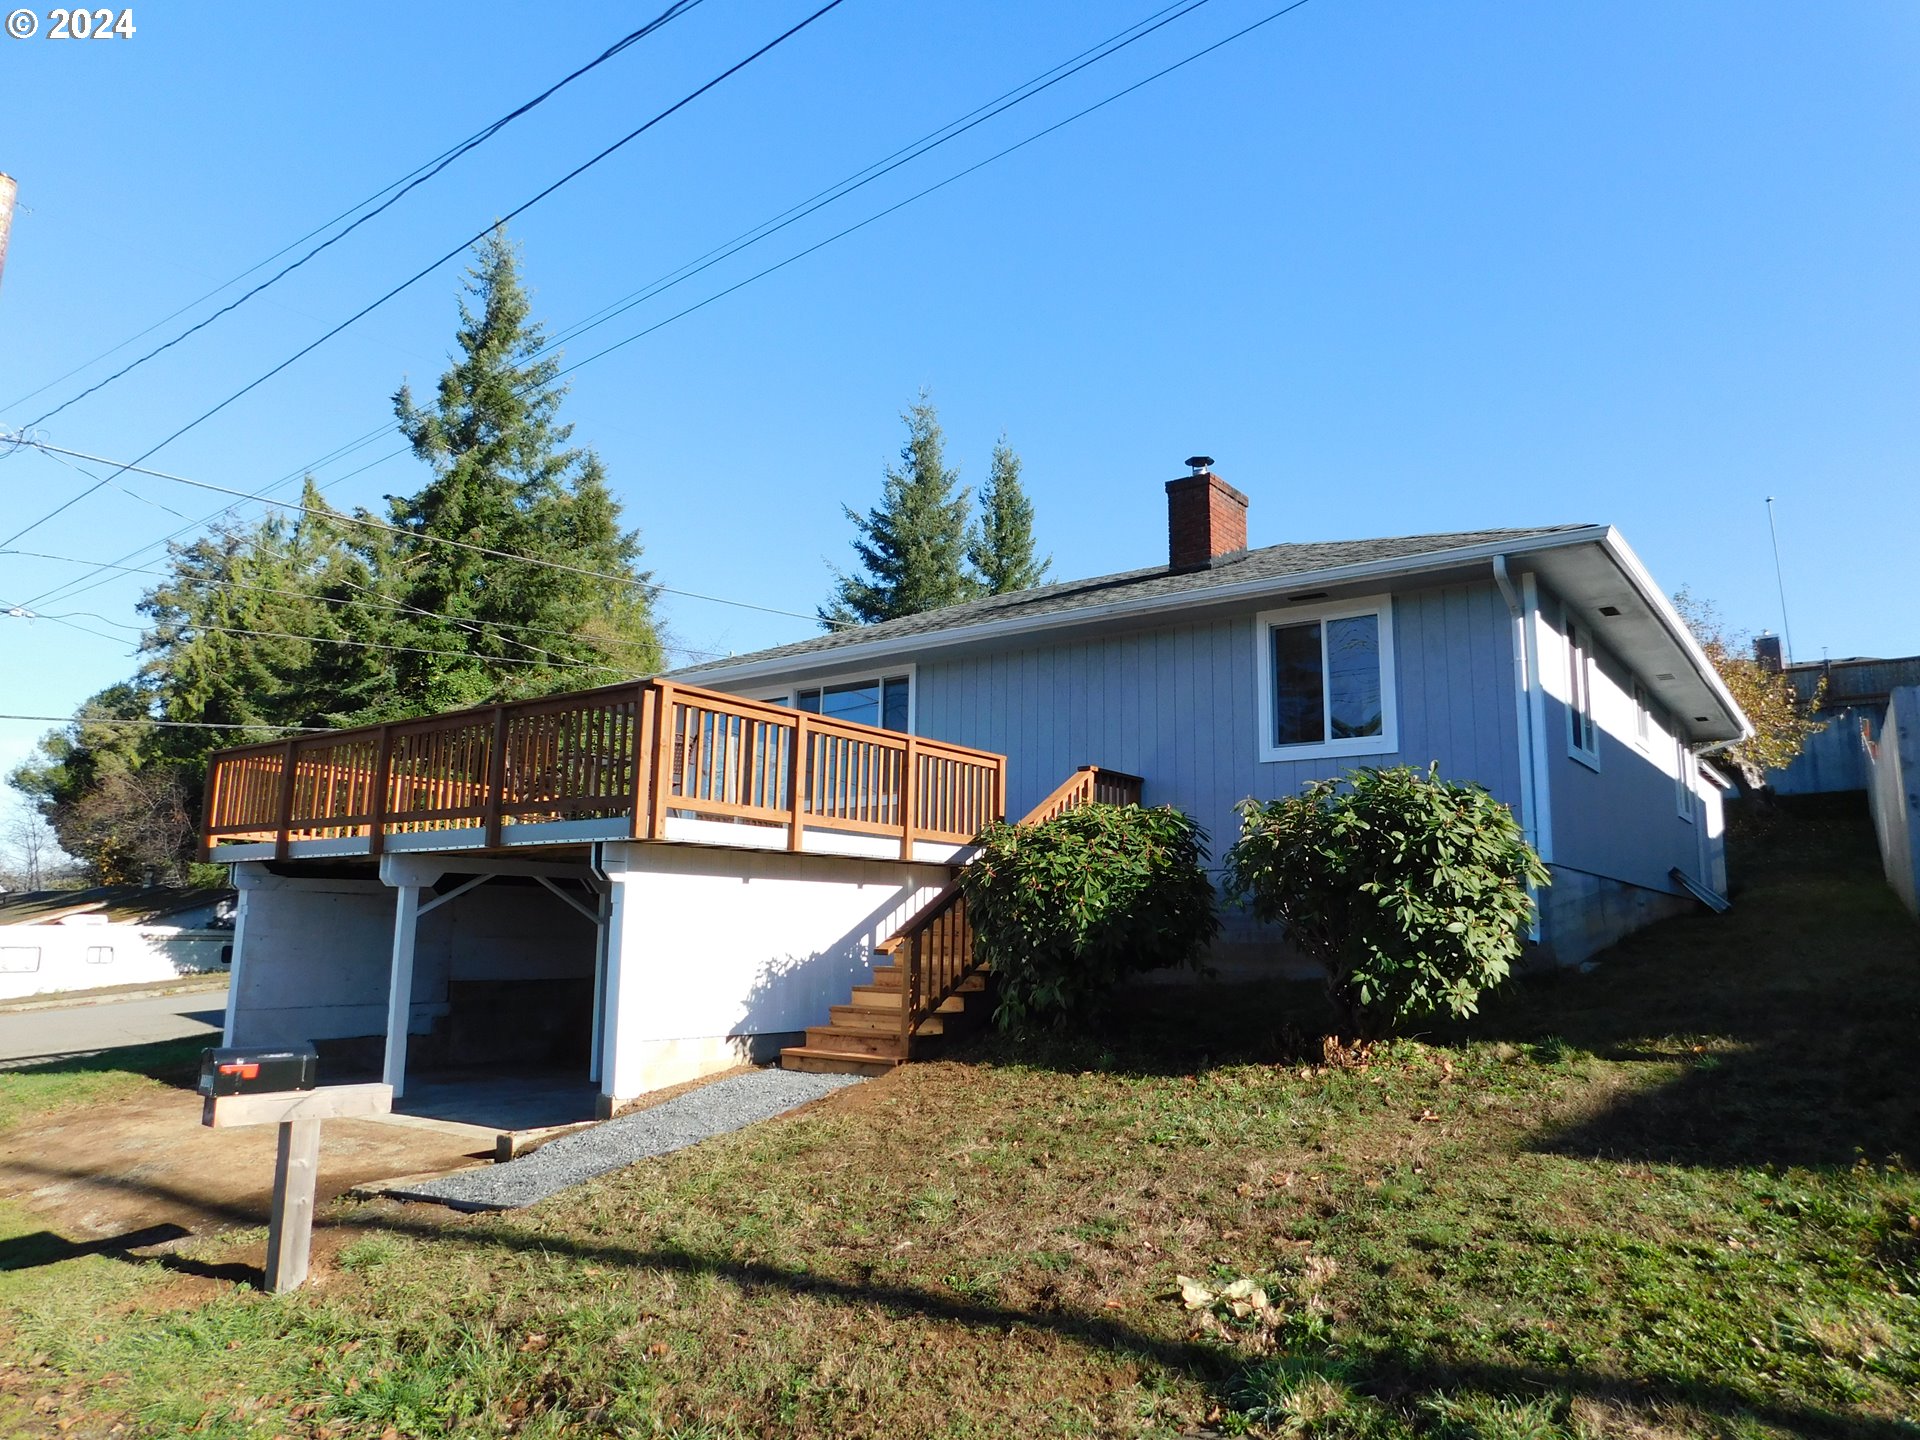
(650, 881)
(59, 940)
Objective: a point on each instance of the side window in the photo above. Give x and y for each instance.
(1682, 779)
(884, 701)
(1642, 716)
(1583, 736)
(19, 959)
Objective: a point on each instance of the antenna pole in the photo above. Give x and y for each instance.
(1779, 579)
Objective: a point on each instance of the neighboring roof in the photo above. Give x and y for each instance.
(1159, 582)
(124, 904)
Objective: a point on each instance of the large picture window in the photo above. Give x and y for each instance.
(1326, 680)
(882, 700)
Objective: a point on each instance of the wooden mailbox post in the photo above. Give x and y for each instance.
(298, 1113)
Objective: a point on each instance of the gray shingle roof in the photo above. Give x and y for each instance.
(1271, 562)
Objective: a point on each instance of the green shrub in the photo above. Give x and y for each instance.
(1409, 891)
(1064, 909)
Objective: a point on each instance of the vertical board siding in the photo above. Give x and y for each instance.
(1622, 821)
(1178, 706)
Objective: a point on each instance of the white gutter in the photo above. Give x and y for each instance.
(1523, 676)
(1153, 605)
(1622, 555)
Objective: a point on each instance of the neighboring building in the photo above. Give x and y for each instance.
(59, 940)
(1853, 704)
(740, 857)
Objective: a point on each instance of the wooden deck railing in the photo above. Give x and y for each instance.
(935, 949)
(645, 753)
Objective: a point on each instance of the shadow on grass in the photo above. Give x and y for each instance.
(1399, 1378)
(1791, 1017)
(171, 1062)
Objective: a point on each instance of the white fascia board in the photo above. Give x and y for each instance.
(1655, 600)
(873, 651)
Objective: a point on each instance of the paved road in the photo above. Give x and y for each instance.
(28, 1035)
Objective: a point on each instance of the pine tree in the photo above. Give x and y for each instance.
(505, 478)
(1000, 548)
(912, 545)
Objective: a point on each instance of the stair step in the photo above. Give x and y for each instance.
(887, 977)
(834, 1062)
(888, 1000)
(879, 1022)
(839, 1040)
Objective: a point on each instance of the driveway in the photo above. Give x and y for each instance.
(52, 1032)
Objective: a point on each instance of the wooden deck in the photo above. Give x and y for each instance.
(650, 760)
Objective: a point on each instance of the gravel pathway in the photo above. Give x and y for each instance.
(674, 1124)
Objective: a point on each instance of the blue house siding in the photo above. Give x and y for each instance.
(1623, 821)
(1177, 705)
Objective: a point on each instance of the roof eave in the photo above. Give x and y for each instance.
(839, 657)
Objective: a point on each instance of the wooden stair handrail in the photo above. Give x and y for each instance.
(919, 997)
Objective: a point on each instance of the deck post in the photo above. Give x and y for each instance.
(377, 802)
(664, 730)
(909, 795)
(496, 777)
(645, 726)
(406, 918)
(796, 782)
(281, 838)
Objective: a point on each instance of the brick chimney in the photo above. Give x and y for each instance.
(1206, 518)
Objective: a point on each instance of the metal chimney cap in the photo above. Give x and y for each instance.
(1200, 463)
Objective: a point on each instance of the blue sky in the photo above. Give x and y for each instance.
(1398, 267)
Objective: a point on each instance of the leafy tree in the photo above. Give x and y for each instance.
(1410, 892)
(912, 545)
(1000, 548)
(124, 814)
(505, 478)
(1782, 721)
(1066, 909)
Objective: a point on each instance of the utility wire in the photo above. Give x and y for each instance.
(832, 193)
(369, 522)
(168, 724)
(375, 603)
(427, 270)
(802, 254)
(399, 188)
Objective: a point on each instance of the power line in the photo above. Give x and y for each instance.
(1018, 94)
(427, 270)
(369, 522)
(376, 603)
(927, 143)
(802, 254)
(167, 724)
(418, 178)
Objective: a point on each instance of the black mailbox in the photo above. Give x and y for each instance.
(252, 1072)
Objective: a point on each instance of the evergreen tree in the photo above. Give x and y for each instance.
(1000, 548)
(505, 478)
(912, 545)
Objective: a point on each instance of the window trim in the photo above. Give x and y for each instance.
(1642, 716)
(1685, 802)
(789, 693)
(1388, 740)
(1580, 668)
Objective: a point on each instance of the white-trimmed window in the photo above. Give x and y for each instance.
(1583, 736)
(1326, 680)
(1682, 778)
(882, 700)
(1642, 717)
(99, 954)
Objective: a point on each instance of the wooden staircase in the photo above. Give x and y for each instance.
(932, 984)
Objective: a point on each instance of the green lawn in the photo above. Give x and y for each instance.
(1662, 1199)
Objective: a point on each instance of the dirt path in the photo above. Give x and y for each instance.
(103, 1171)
